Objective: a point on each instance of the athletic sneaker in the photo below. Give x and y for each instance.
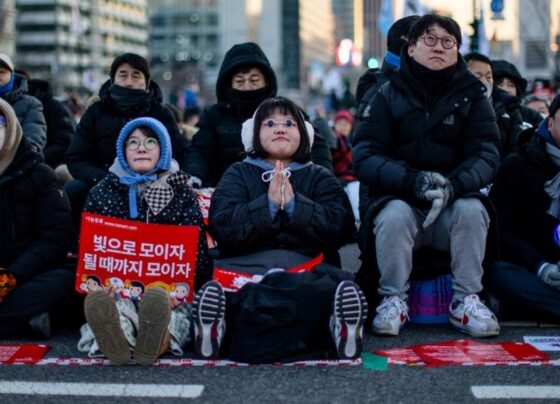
(103, 318)
(209, 307)
(473, 317)
(347, 320)
(153, 337)
(391, 316)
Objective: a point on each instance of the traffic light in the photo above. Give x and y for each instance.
(474, 36)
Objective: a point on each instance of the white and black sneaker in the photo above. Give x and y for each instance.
(347, 320)
(209, 307)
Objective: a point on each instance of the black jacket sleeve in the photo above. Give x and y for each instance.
(60, 130)
(202, 148)
(53, 228)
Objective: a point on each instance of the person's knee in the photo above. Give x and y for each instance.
(470, 210)
(395, 213)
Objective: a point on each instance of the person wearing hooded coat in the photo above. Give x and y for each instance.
(507, 77)
(286, 314)
(161, 195)
(28, 109)
(526, 194)
(217, 144)
(128, 94)
(35, 233)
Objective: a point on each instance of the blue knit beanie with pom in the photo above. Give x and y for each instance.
(164, 163)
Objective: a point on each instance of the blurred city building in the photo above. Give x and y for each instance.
(73, 42)
(7, 26)
(188, 39)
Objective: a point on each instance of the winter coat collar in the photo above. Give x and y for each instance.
(20, 89)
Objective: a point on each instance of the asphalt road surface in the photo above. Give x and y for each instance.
(274, 384)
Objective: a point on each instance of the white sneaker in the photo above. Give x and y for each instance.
(391, 316)
(349, 314)
(473, 317)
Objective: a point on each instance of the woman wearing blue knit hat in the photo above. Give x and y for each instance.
(145, 184)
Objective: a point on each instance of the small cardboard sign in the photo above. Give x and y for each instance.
(128, 257)
(544, 343)
(401, 356)
(28, 354)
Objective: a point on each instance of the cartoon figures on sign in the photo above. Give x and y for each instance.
(90, 283)
(179, 294)
(136, 290)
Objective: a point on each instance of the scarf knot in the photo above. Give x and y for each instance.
(132, 181)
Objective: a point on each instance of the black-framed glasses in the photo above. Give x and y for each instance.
(149, 144)
(271, 123)
(447, 42)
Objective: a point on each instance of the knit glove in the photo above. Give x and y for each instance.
(426, 182)
(7, 284)
(441, 198)
(550, 274)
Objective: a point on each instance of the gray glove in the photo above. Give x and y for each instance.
(550, 274)
(427, 181)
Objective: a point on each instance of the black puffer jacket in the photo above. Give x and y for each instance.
(509, 119)
(217, 144)
(92, 149)
(368, 84)
(29, 112)
(456, 135)
(60, 122)
(241, 223)
(525, 228)
(35, 223)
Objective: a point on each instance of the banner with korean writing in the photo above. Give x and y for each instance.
(127, 257)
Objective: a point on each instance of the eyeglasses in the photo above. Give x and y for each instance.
(447, 42)
(149, 144)
(271, 123)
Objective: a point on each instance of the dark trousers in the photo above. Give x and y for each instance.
(522, 293)
(47, 292)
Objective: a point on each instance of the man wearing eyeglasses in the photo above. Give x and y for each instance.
(429, 145)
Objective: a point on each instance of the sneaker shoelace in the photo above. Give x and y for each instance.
(473, 307)
(390, 308)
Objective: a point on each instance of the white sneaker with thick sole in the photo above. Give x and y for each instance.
(473, 317)
(391, 316)
(209, 307)
(347, 320)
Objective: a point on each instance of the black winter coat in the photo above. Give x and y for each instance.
(110, 198)
(456, 135)
(217, 144)
(92, 150)
(368, 84)
(35, 222)
(509, 119)
(29, 112)
(60, 122)
(525, 228)
(241, 223)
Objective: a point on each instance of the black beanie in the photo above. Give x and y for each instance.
(136, 61)
(399, 30)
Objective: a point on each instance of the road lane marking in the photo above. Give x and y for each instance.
(516, 391)
(101, 389)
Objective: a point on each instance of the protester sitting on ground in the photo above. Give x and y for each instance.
(506, 106)
(144, 184)
(60, 125)
(128, 94)
(35, 233)
(424, 173)
(28, 109)
(526, 194)
(269, 213)
(245, 79)
(507, 77)
(342, 159)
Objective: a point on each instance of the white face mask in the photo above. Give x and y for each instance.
(2, 136)
(488, 89)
